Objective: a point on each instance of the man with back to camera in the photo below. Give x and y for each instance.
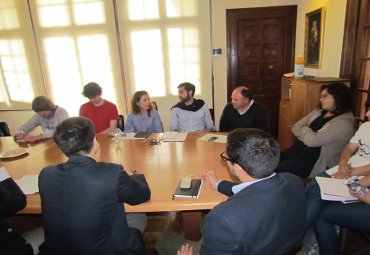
(190, 114)
(48, 116)
(244, 112)
(83, 200)
(12, 200)
(101, 112)
(265, 212)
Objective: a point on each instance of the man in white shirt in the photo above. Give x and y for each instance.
(190, 114)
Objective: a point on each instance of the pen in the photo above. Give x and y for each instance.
(192, 175)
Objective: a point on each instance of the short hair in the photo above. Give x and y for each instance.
(42, 103)
(75, 136)
(247, 93)
(135, 102)
(342, 96)
(255, 150)
(91, 90)
(187, 86)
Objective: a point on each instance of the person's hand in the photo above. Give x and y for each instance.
(364, 198)
(344, 171)
(185, 249)
(209, 177)
(365, 182)
(20, 136)
(33, 138)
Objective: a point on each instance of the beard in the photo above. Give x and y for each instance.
(185, 99)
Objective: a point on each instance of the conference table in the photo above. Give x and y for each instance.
(162, 164)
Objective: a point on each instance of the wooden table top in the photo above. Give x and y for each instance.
(163, 165)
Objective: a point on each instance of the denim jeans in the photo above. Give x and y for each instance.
(323, 215)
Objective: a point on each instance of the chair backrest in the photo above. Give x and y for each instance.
(121, 122)
(4, 129)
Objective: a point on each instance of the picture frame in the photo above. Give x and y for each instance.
(314, 36)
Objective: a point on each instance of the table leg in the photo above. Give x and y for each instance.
(190, 224)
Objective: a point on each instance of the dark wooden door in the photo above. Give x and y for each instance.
(260, 48)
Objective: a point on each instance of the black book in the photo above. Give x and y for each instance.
(193, 192)
(142, 135)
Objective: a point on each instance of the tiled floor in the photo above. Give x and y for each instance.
(160, 222)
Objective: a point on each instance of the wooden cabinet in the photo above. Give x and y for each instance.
(298, 98)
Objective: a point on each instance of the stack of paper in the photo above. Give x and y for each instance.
(334, 190)
(214, 138)
(173, 137)
(29, 184)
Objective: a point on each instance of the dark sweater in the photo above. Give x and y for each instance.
(255, 117)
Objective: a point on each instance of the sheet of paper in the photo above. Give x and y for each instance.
(333, 189)
(29, 184)
(214, 138)
(125, 136)
(174, 137)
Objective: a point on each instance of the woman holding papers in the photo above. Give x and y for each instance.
(143, 118)
(321, 135)
(324, 215)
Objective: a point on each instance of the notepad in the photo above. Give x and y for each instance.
(29, 184)
(173, 137)
(214, 138)
(334, 190)
(142, 135)
(193, 192)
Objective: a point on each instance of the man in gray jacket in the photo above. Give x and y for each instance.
(48, 116)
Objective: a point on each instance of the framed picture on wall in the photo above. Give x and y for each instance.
(314, 35)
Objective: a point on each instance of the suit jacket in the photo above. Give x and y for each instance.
(82, 208)
(266, 217)
(12, 200)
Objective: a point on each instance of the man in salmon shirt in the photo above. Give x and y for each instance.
(101, 112)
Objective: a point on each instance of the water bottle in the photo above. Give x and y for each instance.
(299, 67)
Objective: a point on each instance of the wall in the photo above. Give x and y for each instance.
(333, 36)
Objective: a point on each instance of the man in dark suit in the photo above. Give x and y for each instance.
(82, 200)
(265, 213)
(244, 112)
(12, 200)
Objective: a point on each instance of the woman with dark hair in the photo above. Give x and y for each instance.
(143, 118)
(321, 135)
(324, 215)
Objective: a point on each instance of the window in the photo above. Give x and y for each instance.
(81, 55)
(167, 43)
(54, 47)
(15, 85)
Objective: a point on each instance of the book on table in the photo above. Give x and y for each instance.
(193, 192)
(142, 135)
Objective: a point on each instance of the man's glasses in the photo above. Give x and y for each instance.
(224, 158)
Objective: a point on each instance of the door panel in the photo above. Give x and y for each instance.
(260, 47)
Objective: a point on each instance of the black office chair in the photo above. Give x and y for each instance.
(121, 122)
(4, 129)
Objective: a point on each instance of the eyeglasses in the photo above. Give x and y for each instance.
(224, 158)
(322, 96)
